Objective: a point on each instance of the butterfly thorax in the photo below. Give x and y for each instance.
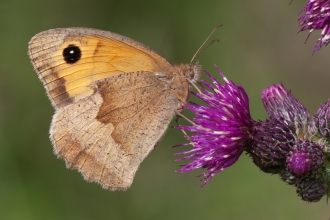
(190, 71)
(180, 80)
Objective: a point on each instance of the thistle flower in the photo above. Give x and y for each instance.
(220, 129)
(282, 105)
(316, 16)
(272, 140)
(305, 159)
(289, 142)
(320, 123)
(311, 189)
(275, 138)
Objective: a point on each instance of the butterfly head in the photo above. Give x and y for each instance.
(191, 72)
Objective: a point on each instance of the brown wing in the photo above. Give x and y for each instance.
(108, 134)
(96, 55)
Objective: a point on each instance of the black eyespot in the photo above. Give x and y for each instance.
(71, 54)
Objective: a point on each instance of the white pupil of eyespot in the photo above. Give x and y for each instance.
(71, 51)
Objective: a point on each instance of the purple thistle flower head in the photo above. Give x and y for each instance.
(282, 105)
(299, 163)
(316, 16)
(272, 140)
(321, 121)
(289, 142)
(220, 127)
(311, 189)
(305, 159)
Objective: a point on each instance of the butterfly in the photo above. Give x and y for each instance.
(113, 97)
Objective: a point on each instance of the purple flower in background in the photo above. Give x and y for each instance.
(220, 128)
(316, 16)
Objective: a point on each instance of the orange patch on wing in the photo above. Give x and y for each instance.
(100, 58)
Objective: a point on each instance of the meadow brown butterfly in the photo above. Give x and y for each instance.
(113, 99)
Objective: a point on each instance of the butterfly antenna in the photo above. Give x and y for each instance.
(201, 49)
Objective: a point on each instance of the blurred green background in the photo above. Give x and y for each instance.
(258, 47)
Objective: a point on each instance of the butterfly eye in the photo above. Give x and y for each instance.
(71, 54)
(191, 73)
